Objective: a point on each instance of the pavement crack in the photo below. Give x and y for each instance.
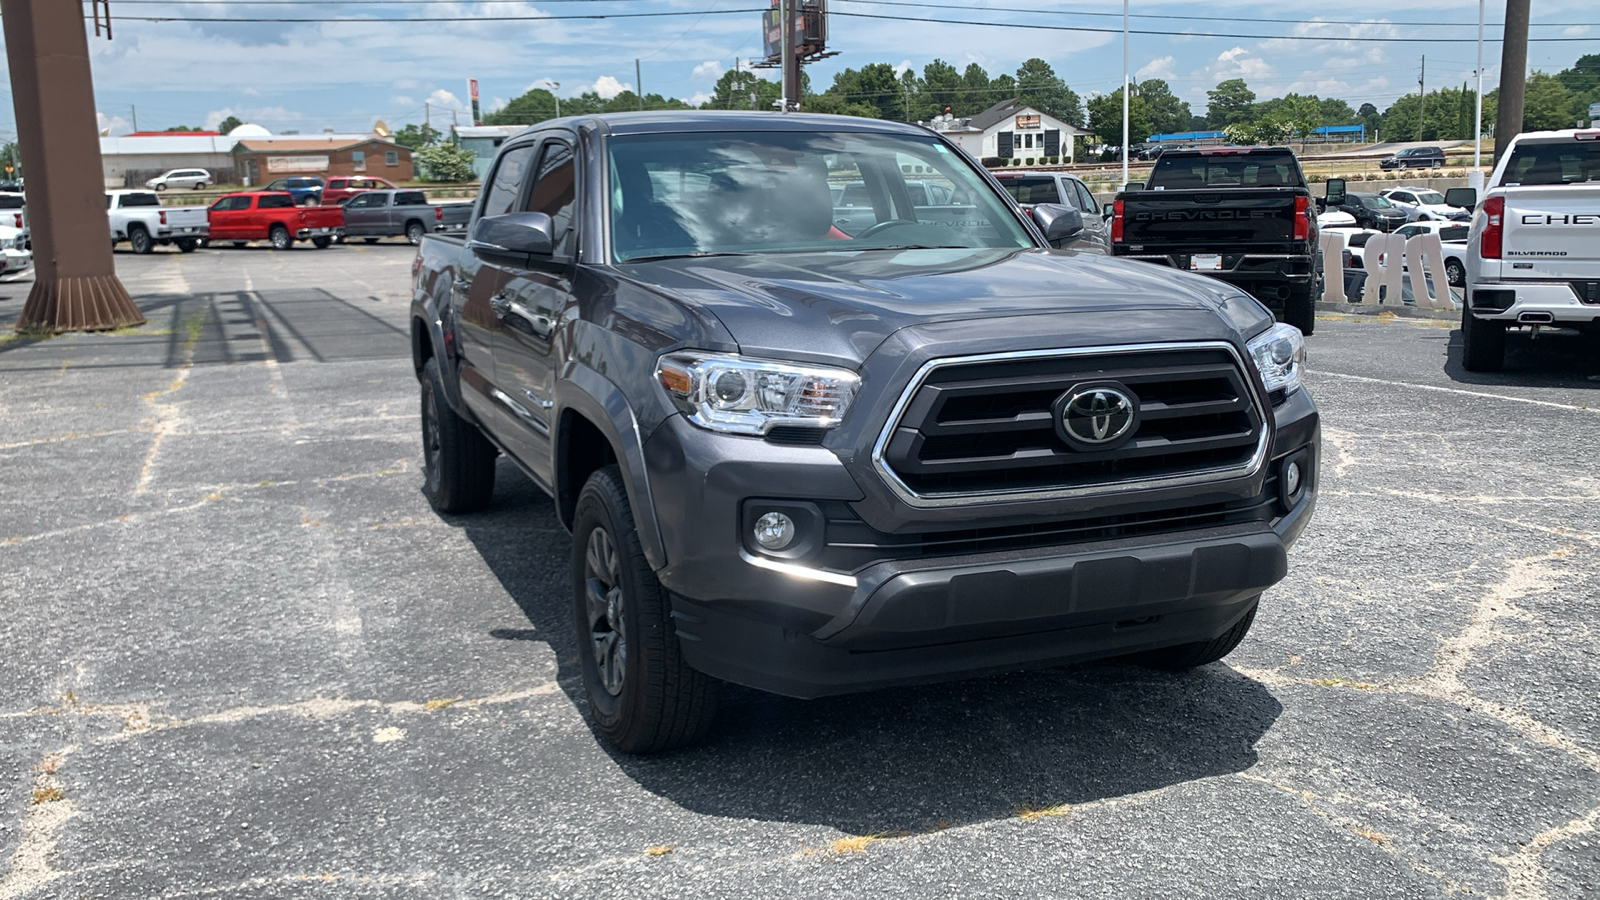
(48, 809)
(1525, 874)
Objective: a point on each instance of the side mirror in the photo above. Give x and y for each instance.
(1108, 210)
(1335, 193)
(1462, 198)
(1133, 186)
(1062, 225)
(512, 237)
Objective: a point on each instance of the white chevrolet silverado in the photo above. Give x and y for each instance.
(1533, 255)
(139, 218)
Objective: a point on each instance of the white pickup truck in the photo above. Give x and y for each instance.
(139, 218)
(1533, 255)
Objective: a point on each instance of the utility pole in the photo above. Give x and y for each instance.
(1475, 177)
(1422, 98)
(75, 286)
(791, 62)
(1124, 93)
(1513, 76)
(427, 120)
(638, 80)
(133, 113)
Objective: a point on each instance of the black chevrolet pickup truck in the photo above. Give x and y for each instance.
(814, 458)
(1241, 214)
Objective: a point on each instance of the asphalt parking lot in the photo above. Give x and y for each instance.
(243, 658)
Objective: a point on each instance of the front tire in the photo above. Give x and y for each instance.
(1300, 308)
(161, 186)
(1483, 343)
(139, 241)
(457, 460)
(280, 238)
(643, 697)
(1199, 653)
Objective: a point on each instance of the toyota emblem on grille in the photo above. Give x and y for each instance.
(1097, 416)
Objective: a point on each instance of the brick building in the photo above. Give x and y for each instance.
(258, 161)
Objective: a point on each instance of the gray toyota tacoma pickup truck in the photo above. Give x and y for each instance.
(812, 458)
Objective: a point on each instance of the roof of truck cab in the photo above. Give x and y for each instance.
(670, 121)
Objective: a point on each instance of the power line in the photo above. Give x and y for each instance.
(1118, 15)
(301, 20)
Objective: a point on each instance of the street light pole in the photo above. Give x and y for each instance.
(1124, 92)
(1475, 177)
(554, 87)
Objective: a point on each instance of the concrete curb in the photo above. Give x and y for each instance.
(1374, 309)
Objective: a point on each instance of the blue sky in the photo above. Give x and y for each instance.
(344, 75)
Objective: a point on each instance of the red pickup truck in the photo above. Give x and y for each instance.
(343, 187)
(272, 216)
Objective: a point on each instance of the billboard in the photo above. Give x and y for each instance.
(810, 29)
(472, 91)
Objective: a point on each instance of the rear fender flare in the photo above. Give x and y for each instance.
(425, 316)
(586, 392)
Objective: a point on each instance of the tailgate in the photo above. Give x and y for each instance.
(1230, 219)
(323, 216)
(1552, 232)
(186, 216)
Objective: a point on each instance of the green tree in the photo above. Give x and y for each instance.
(941, 87)
(874, 84)
(1370, 117)
(976, 91)
(229, 124)
(184, 128)
(1038, 86)
(1105, 118)
(446, 163)
(1304, 115)
(835, 105)
(1167, 113)
(417, 136)
(733, 91)
(534, 106)
(1546, 104)
(1229, 102)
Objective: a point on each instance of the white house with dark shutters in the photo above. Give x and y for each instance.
(1011, 129)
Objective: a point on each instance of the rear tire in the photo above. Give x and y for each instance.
(1454, 273)
(643, 697)
(1199, 653)
(280, 238)
(370, 240)
(1300, 308)
(414, 232)
(187, 245)
(200, 186)
(321, 243)
(1483, 343)
(139, 240)
(457, 460)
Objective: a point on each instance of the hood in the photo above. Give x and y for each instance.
(839, 306)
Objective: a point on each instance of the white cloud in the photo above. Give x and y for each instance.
(401, 100)
(608, 87)
(113, 124)
(902, 67)
(710, 70)
(1575, 30)
(1157, 68)
(445, 100)
(699, 98)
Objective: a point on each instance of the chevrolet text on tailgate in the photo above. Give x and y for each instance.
(1240, 214)
(812, 457)
(1533, 255)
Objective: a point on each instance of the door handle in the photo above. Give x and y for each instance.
(504, 306)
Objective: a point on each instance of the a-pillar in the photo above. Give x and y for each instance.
(75, 284)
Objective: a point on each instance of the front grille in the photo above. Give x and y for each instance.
(986, 426)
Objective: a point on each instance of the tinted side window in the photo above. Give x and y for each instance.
(505, 185)
(139, 200)
(555, 192)
(275, 201)
(1085, 198)
(1454, 233)
(410, 198)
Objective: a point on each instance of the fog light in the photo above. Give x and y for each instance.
(1291, 479)
(774, 531)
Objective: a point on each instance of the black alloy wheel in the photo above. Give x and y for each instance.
(139, 241)
(607, 615)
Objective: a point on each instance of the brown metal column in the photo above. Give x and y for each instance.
(75, 285)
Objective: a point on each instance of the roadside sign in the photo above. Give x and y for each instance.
(1594, 110)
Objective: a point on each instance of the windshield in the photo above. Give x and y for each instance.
(1377, 203)
(790, 192)
(1432, 198)
(1553, 162)
(1175, 173)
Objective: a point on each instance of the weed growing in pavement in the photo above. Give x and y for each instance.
(1028, 812)
(660, 849)
(440, 703)
(46, 795)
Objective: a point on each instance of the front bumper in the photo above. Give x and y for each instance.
(828, 621)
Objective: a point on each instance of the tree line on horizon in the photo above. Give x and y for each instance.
(876, 90)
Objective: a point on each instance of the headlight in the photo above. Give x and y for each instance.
(11, 243)
(1278, 353)
(738, 395)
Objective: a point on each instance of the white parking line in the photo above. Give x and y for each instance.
(1445, 390)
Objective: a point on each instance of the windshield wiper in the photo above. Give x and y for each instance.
(693, 254)
(914, 247)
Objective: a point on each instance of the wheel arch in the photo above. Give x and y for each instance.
(595, 427)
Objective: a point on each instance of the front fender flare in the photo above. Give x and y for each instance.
(584, 391)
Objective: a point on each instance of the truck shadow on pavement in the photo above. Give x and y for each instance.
(910, 759)
(1553, 359)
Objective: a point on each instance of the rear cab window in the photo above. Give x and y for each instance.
(274, 201)
(1180, 172)
(1552, 162)
(410, 198)
(130, 200)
